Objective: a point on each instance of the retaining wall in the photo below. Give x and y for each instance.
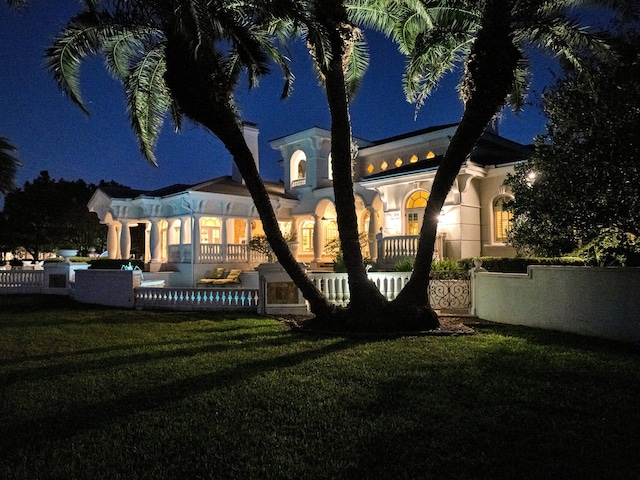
(600, 302)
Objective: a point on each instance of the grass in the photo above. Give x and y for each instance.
(95, 393)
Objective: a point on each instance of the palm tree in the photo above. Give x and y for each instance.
(186, 58)
(9, 165)
(492, 43)
(339, 52)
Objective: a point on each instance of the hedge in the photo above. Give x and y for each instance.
(520, 264)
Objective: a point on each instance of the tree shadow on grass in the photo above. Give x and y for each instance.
(33, 434)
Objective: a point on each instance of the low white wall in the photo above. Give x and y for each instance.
(600, 302)
(113, 288)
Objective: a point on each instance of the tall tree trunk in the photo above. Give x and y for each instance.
(202, 97)
(488, 80)
(366, 300)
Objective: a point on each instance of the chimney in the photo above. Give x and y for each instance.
(250, 131)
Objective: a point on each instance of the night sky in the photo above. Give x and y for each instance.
(53, 134)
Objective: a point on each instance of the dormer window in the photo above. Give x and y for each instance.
(298, 166)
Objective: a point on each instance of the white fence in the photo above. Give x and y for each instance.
(443, 294)
(117, 289)
(21, 281)
(191, 299)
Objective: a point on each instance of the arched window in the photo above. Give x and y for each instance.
(210, 230)
(501, 219)
(306, 231)
(298, 168)
(415, 211)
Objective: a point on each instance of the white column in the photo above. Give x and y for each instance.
(147, 248)
(125, 241)
(195, 240)
(185, 226)
(113, 240)
(374, 227)
(223, 238)
(317, 237)
(247, 236)
(154, 241)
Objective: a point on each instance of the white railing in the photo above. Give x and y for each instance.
(443, 294)
(400, 246)
(216, 253)
(189, 299)
(298, 182)
(21, 281)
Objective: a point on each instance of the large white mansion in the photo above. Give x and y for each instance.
(210, 223)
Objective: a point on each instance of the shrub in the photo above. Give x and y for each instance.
(404, 265)
(519, 264)
(447, 268)
(612, 247)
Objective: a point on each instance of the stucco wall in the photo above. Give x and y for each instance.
(600, 302)
(113, 288)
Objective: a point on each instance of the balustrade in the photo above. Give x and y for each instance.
(188, 299)
(400, 246)
(443, 293)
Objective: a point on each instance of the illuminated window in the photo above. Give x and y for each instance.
(383, 166)
(331, 231)
(302, 169)
(298, 168)
(415, 211)
(370, 168)
(430, 155)
(413, 223)
(413, 159)
(210, 230)
(398, 162)
(307, 236)
(418, 199)
(501, 220)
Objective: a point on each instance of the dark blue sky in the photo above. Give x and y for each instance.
(53, 134)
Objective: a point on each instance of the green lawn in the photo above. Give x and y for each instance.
(95, 393)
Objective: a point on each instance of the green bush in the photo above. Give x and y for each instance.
(111, 264)
(613, 247)
(519, 264)
(404, 265)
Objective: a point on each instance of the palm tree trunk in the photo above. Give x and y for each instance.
(231, 135)
(366, 300)
(205, 98)
(488, 80)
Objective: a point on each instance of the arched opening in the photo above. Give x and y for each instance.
(414, 211)
(210, 230)
(298, 168)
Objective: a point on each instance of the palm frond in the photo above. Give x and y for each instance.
(521, 82)
(148, 99)
(81, 38)
(9, 166)
(356, 63)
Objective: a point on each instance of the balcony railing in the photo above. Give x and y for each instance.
(216, 253)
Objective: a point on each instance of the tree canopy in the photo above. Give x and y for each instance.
(584, 174)
(48, 214)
